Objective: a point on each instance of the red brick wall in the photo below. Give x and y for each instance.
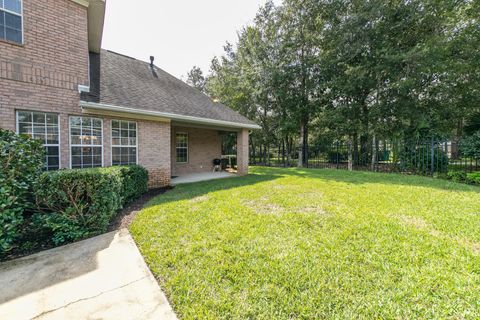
(153, 151)
(43, 74)
(242, 152)
(204, 145)
(55, 49)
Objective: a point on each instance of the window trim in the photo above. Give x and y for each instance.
(21, 15)
(70, 145)
(187, 147)
(17, 130)
(120, 146)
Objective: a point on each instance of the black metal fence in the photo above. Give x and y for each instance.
(423, 157)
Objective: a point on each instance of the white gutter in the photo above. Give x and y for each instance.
(171, 116)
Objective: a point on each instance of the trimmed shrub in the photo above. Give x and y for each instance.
(76, 204)
(21, 162)
(473, 178)
(457, 176)
(80, 203)
(134, 182)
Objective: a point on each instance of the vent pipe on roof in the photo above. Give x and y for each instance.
(152, 58)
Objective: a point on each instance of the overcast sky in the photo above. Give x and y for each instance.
(179, 33)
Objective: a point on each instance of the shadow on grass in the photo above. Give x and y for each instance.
(196, 189)
(264, 174)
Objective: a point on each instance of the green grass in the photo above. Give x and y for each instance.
(305, 244)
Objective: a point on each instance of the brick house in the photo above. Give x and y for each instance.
(92, 107)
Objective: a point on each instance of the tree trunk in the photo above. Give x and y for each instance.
(350, 154)
(305, 144)
(301, 146)
(303, 141)
(364, 150)
(355, 149)
(260, 154)
(266, 150)
(374, 153)
(289, 151)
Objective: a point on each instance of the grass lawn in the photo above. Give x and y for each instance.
(299, 243)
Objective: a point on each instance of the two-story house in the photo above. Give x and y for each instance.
(91, 107)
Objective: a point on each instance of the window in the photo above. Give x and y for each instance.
(43, 127)
(124, 142)
(182, 147)
(11, 20)
(86, 142)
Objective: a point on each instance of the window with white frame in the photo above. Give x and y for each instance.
(11, 20)
(182, 147)
(43, 127)
(124, 142)
(86, 143)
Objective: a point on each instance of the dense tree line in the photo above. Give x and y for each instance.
(315, 71)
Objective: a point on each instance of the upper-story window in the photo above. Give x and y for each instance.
(11, 20)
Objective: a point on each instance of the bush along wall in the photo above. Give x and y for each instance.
(76, 204)
(21, 163)
(134, 182)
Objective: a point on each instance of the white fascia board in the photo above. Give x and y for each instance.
(81, 2)
(96, 19)
(171, 116)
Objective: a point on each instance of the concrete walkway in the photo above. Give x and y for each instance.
(204, 176)
(100, 278)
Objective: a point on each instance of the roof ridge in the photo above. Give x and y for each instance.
(123, 55)
(128, 82)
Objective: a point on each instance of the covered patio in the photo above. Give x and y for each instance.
(176, 129)
(203, 176)
(194, 148)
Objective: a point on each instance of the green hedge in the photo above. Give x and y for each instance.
(457, 176)
(76, 204)
(21, 162)
(135, 182)
(464, 177)
(473, 178)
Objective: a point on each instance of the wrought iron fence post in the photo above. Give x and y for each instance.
(433, 157)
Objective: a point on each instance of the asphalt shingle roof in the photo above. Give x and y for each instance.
(123, 81)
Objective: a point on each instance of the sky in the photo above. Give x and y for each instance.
(178, 33)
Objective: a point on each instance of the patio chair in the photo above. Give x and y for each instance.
(217, 165)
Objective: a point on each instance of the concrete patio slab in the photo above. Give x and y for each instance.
(100, 278)
(204, 176)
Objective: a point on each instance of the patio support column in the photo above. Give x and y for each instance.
(242, 152)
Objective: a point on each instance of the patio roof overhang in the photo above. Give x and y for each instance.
(104, 109)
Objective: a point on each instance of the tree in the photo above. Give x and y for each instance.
(196, 79)
(319, 71)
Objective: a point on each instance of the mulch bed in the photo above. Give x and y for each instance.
(121, 220)
(127, 214)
